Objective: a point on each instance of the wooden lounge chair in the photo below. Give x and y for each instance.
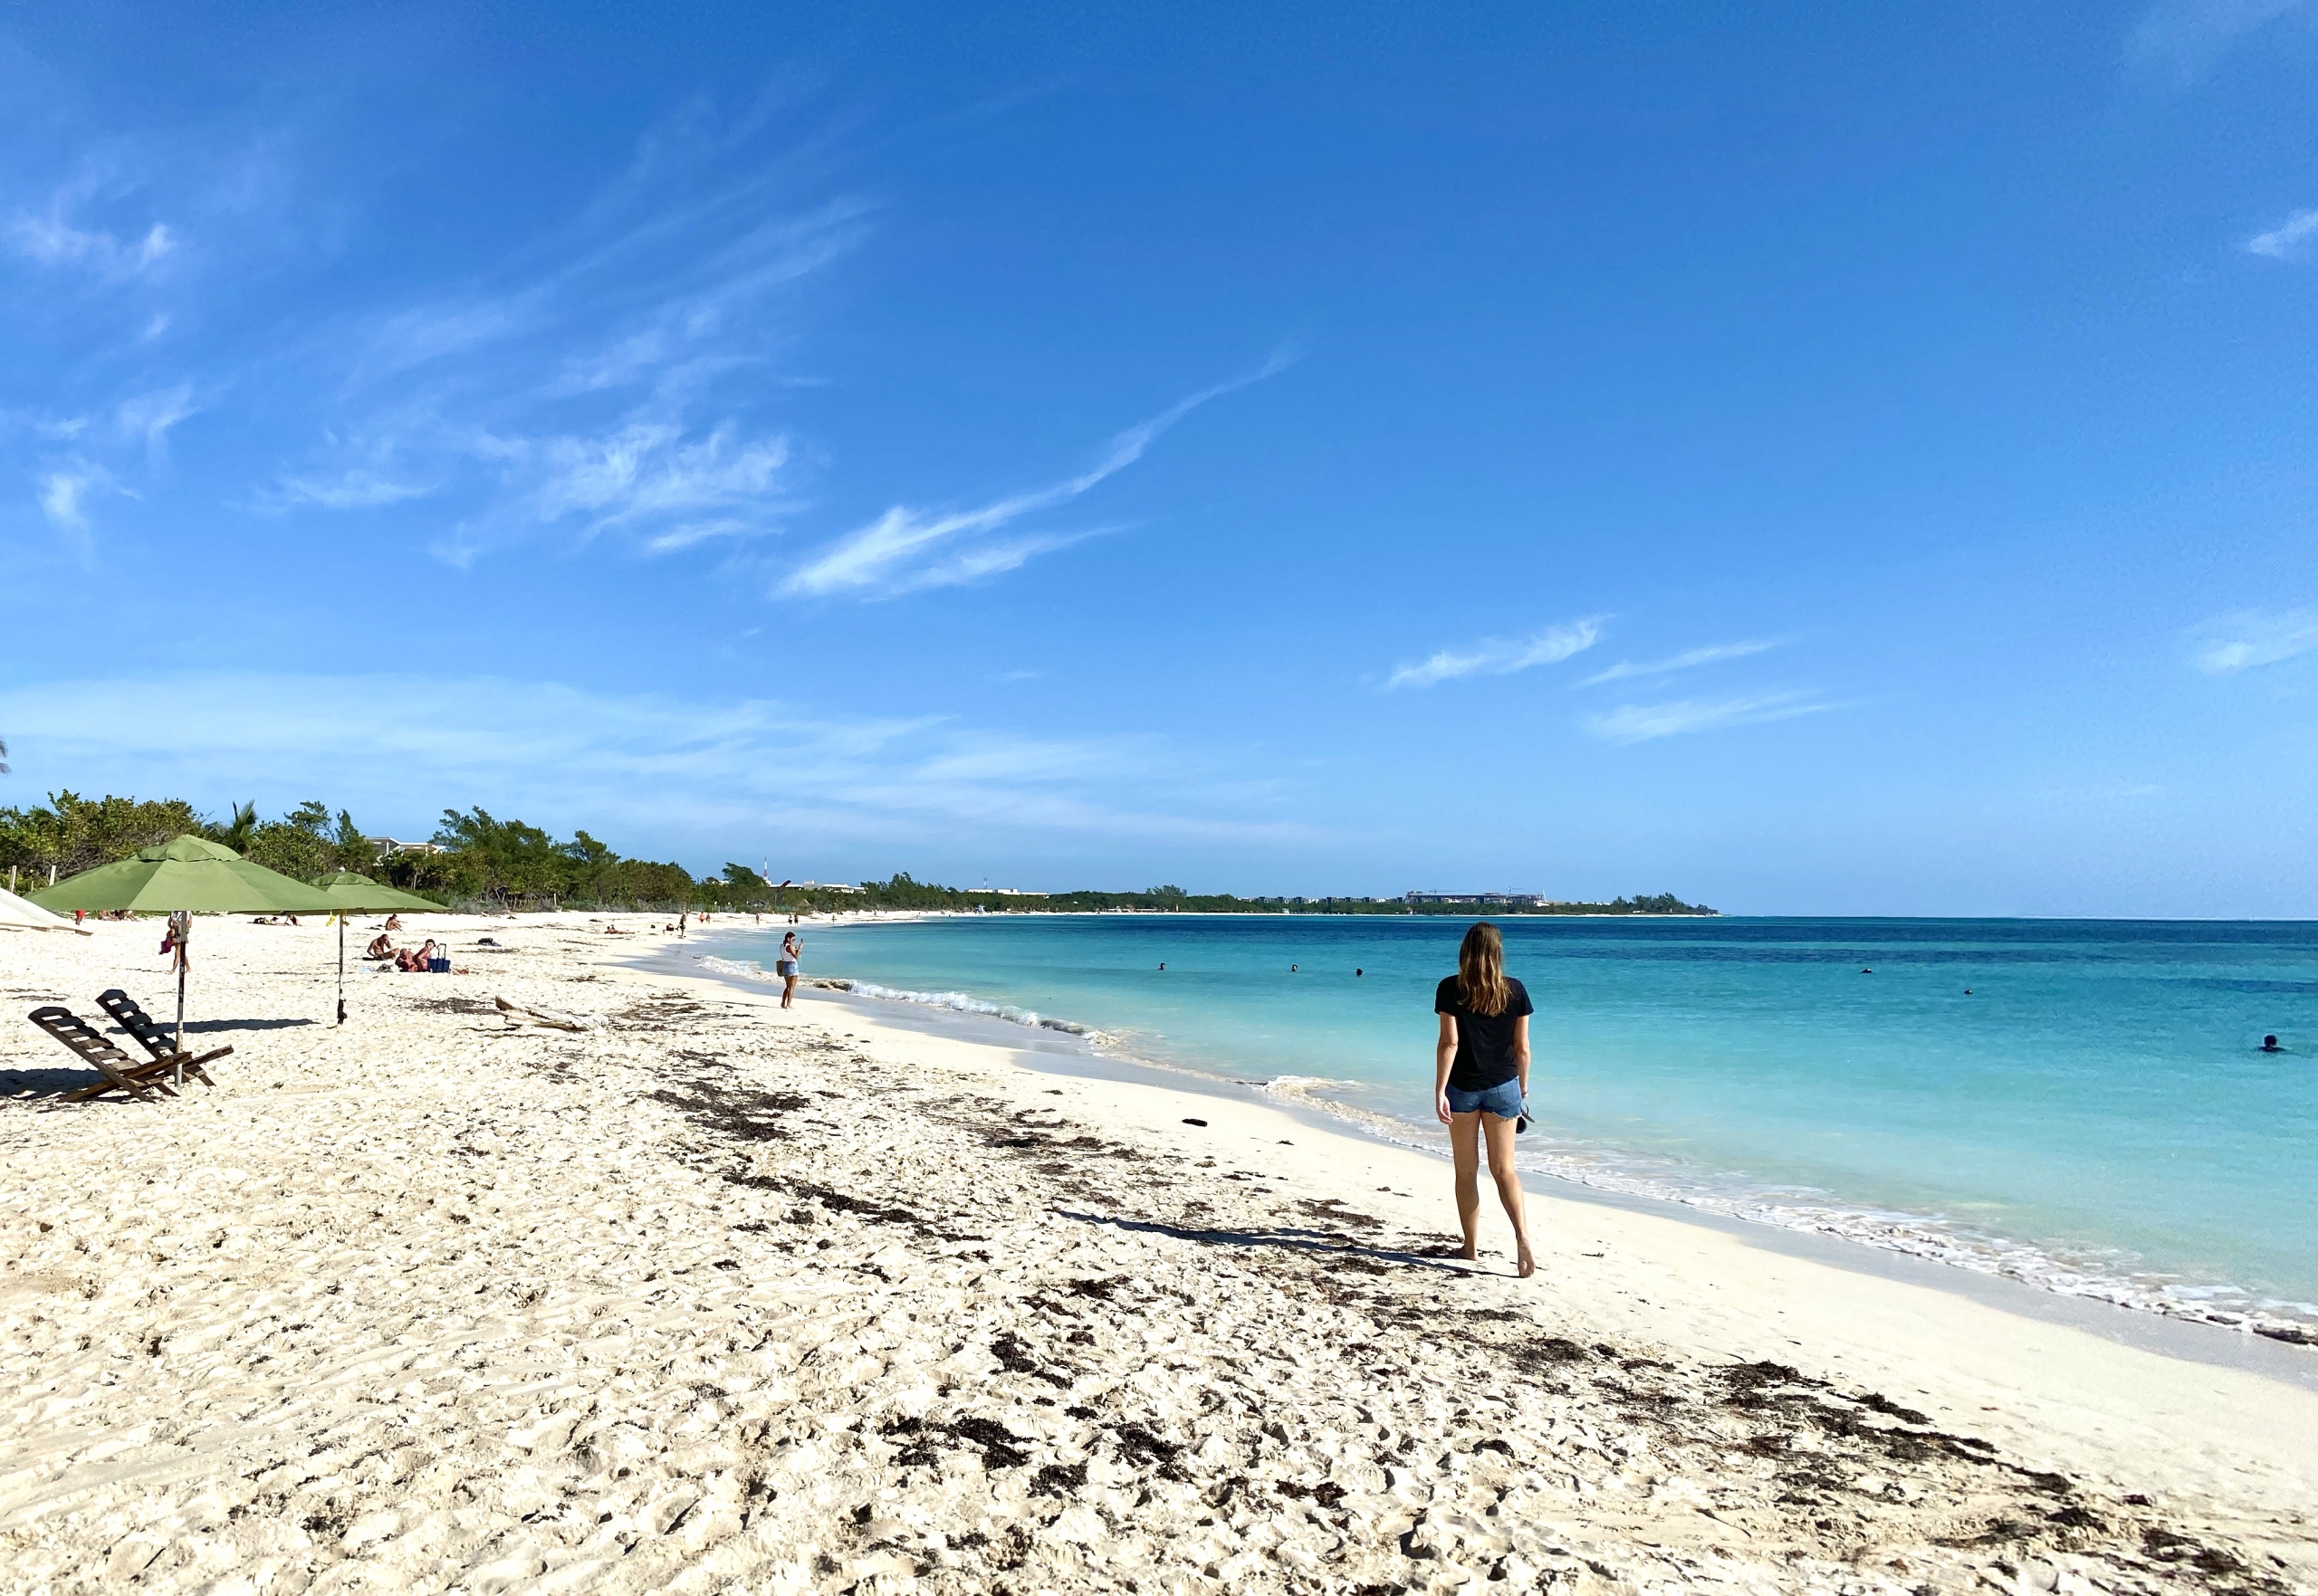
(151, 1037)
(120, 1072)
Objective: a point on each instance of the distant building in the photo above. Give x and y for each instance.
(1505, 900)
(824, 886)
(386, 847)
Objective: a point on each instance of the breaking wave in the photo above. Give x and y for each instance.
(957, 1002)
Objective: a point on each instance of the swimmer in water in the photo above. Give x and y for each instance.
(2270, 1044)
(1163, 964)
(1358, 972)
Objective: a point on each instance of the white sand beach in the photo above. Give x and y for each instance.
(707, 1297)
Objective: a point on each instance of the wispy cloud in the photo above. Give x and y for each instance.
(149, 416)
(54, 242)
(2289, 239)
(1640, 722)
(60, 493)
(355, 489)
(52, 428)
(1711, 654)
(652, 770)
(650, 472)
(429, 333)
(614, 380)
(2182, 38)
(64, 491)
(897, 551)
(1500, 657)
(2248, 638)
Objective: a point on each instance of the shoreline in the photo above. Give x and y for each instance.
(706, 1295)
(1959, 1258)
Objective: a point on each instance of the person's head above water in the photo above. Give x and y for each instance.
(2270, 1044)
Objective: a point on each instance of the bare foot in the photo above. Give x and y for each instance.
(1529, 1263)
(1468, 1255)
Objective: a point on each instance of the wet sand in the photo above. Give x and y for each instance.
(708, 1296)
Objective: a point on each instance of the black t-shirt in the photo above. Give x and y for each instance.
(1484, 1041)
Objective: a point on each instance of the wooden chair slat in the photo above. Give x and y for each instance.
(130, 1016)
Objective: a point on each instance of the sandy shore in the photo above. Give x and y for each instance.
(710, 1297)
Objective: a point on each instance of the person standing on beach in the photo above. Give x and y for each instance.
(792, 951)
(1480, 1082)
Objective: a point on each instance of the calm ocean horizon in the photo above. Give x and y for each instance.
(2080, 1104)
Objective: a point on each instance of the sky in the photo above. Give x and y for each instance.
(1812, 461)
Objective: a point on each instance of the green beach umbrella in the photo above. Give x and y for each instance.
(359, 895)
(188, 873)
(179, 877)
(354, 894)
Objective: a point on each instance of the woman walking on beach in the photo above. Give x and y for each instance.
(1480, 1083)
(792, 951)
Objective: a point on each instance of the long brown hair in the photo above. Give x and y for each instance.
(1480, 970)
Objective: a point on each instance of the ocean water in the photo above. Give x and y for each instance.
(2095, 1115)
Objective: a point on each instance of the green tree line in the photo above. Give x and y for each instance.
(481, 859)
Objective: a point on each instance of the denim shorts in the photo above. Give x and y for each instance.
(784, 966)
(1503, 1101)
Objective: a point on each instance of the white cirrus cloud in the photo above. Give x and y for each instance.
(1496, 656)
(650, 772)
(429, 333)
(2184, 37)
(646, 471)
(1712, 653)
(354, 489)
(2247, 638)
(908, 547)
(608, 379)
(51, 241)
(150, 415)
(64, 491)
(2289, 239)
(60, 493)
(1641, 722)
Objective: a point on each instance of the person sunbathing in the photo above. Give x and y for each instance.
(418, 962)
(393, 923)
(382, 946)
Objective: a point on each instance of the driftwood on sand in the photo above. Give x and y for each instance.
(518, 1015)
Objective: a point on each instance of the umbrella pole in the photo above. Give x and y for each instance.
(342, 967)
(185, 924)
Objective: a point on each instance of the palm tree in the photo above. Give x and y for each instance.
(3, 759)
(236, 835)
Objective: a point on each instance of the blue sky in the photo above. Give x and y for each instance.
(1852, 462)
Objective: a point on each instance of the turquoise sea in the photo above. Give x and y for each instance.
(2080, 1104)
